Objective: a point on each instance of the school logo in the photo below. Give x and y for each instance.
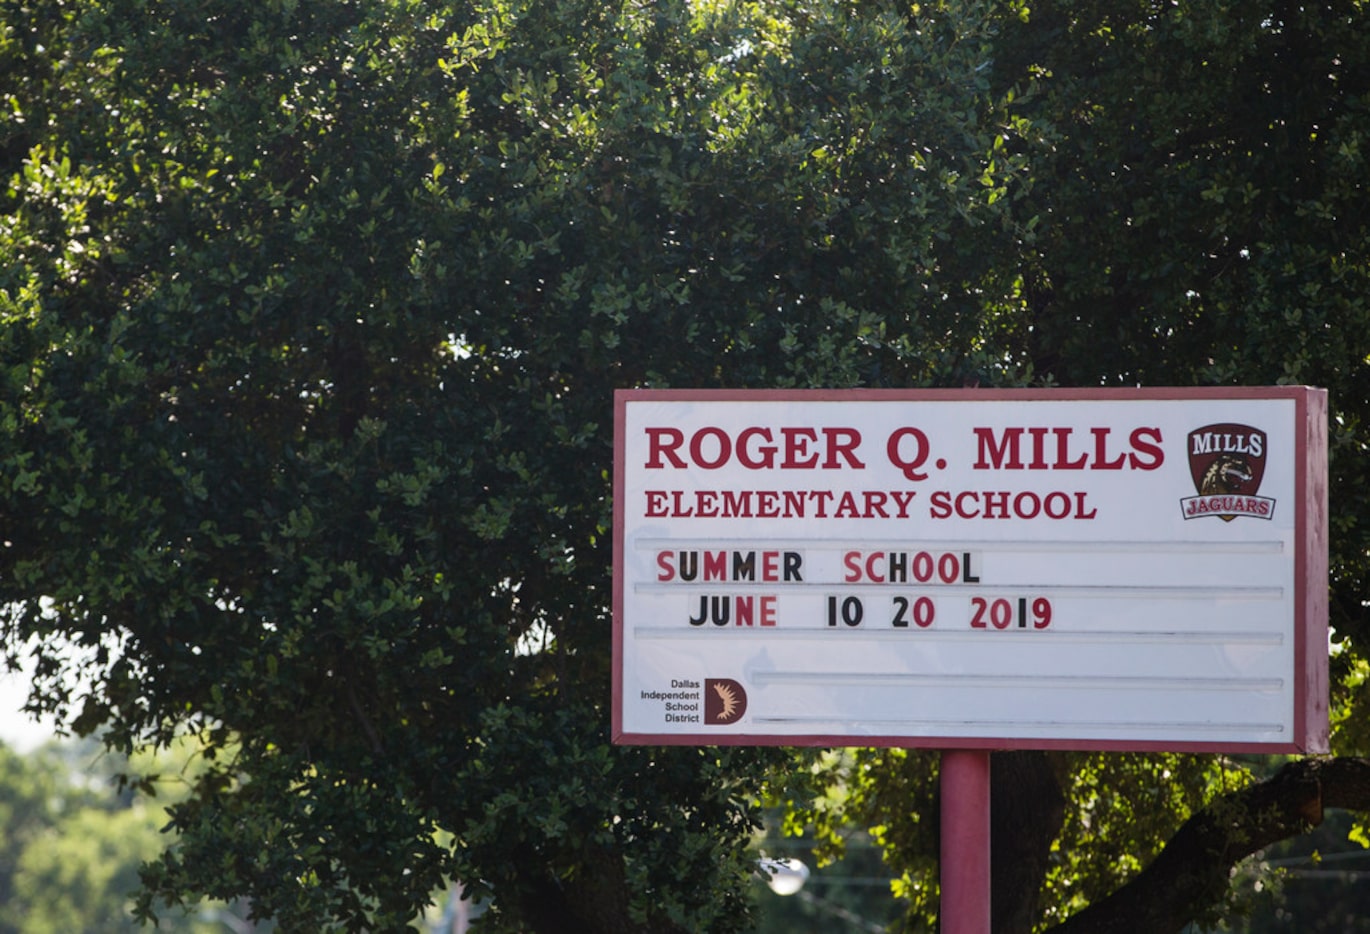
(1227, 462)
(725, 701)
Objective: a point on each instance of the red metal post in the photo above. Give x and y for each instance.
(965, 842)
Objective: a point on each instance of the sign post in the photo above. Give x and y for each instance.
(972, 570)
(965, 853)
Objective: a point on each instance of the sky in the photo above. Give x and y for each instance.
(16, 729)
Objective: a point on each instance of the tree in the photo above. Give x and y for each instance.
(26, 803)
(1210, 156)
(74, 838)
(83, 879)
(311, 313)
(1214, 154)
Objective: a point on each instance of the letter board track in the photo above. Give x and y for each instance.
(1069, 569)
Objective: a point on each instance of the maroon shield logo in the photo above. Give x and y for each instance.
(1227, 462)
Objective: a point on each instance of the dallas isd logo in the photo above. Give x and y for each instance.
(725, 701)
(1227, 462)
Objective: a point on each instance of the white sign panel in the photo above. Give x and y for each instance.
(999, 569)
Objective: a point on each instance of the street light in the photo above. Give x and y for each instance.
(787, 876)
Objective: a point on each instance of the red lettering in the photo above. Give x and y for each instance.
(737, 504)
(662, 442)
(1001, 456)
(767, 506)
(744, 451)
(1001, 449)
(846, 507)
(725, 448)
(797, 454)
(940, 505)
(842, 443)
(902, 499)
(961, 510)
(1146, 455)
(1033, 504)
(744, 610)
(875, 504)
(706, 503)
(996, 504)
(1039, 444)
(755, 448)
(656, 504)
(852, 561)
(1101, 461)
(1080, 507)
(1057, 505)
(909, 465)
(663, 561)
(1063, 461)
(1003, 504)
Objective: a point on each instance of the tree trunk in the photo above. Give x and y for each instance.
(1027, 808)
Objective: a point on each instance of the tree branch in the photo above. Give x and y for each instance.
(1192, 872)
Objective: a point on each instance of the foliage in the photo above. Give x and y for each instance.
(72, 838)
(848, 893)
(311, 315)
(1313, 882)
(1211, 153)
(27, 796)
(1123, 808)
(1196, 217)
(85, 875)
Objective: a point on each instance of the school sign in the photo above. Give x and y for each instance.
(1083, 569)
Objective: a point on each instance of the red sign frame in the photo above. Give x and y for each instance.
(827, 452)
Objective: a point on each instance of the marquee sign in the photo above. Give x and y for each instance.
(1081, 569)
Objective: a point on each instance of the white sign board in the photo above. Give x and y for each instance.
(1082, 569)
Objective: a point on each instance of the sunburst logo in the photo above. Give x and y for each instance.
(725, 701)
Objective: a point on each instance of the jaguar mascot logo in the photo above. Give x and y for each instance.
(1227, 462)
